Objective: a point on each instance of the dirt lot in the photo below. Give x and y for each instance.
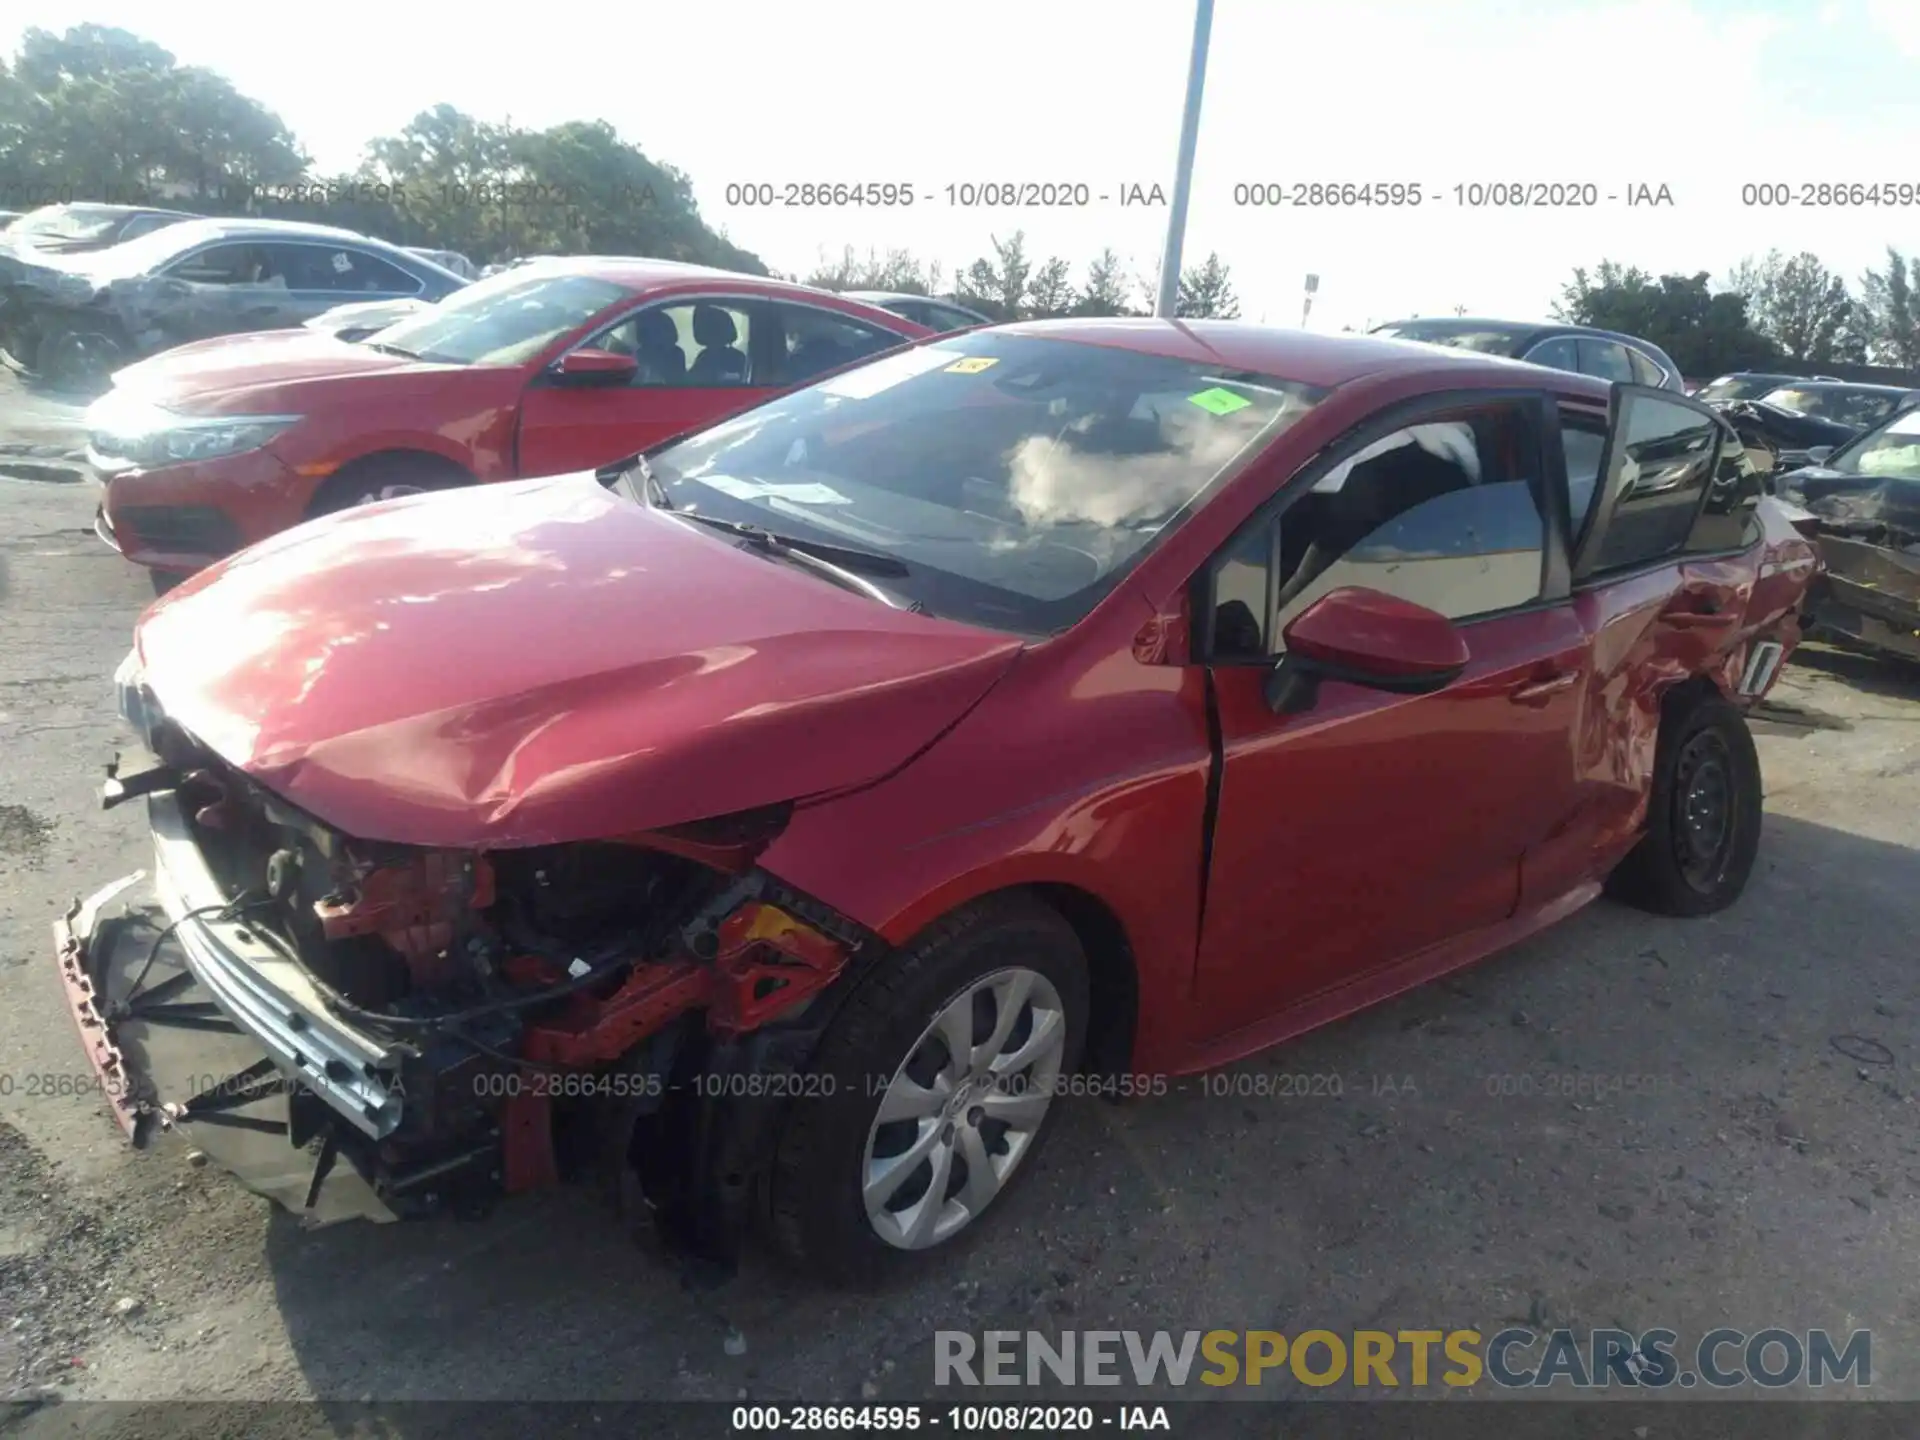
(1767, 1172)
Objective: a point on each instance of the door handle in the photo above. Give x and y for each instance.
(1539, 692)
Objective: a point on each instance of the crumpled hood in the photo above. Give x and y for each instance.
(544, 661)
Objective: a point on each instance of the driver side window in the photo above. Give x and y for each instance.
(699, 344)
(1445, 514)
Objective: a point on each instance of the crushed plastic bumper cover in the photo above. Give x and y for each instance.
(169, 1053)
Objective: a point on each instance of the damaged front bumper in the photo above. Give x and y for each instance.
(265, 992)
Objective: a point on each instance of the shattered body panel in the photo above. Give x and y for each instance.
(1868, 531)
(142, 298)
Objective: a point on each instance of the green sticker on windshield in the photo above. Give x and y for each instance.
(1220, 402)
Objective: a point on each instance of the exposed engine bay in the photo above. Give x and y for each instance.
(552, 1011)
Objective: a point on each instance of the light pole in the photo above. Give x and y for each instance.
(1306, 309)
(1183, 175)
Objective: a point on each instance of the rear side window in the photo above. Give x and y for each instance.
(815, 341)
(1606, 360)
(1665, 457)
(1556, 354)
(1645, 371)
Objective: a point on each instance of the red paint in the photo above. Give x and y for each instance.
(546, 662)
(528, 1161)
(493, 422)
(1382, 634)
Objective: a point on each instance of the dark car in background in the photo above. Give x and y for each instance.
(1863, 510)
(1801, 420)
(72, 229)
(1605, 354)
(73, 319)
(928, 310)
(1747, 385)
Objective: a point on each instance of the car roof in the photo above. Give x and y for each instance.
(1302, 356)
(101, 207)
(644, 273)
(199, 228)
(1528, 328)
(875, 297)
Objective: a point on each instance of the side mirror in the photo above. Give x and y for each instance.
(594, 367)
(1364, 637)
(1817, 455)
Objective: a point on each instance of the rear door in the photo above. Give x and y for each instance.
(1663, 577)
(1376, 826)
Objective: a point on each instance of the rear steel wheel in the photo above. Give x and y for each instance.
(1703, 816)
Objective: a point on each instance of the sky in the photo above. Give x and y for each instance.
(1702, 97)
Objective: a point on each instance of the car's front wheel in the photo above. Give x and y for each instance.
(938, 1081)
(1703, 817)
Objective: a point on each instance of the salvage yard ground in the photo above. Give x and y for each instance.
(1764, 1171)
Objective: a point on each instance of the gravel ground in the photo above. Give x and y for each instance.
(1768, 1172)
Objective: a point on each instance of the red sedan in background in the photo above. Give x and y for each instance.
(780, 823)
(559, 365)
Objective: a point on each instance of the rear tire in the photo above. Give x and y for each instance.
(165, 580)
(385, 477)
(1703, 817)
(1010, 973)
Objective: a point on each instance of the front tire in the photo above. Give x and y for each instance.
(1703, 817)
(945, 1070)
(384, 477)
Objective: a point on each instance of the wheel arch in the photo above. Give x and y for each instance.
(1113, 973)
(422, 452)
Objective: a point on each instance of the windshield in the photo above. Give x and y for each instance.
(1847, 407)
(68, 222)
(1017, 478)
(503, 321)
(1893, 451)
(1460, 337)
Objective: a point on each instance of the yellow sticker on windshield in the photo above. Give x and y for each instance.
(1220, 402)
(972, 365)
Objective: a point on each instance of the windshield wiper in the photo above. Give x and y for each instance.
(866, 562)
(385, 349)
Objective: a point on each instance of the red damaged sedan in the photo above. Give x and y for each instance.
(779, 823)
(552, 367)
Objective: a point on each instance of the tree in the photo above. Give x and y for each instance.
(1889, 314)
(107, 115)
(1705, 333)
(1800, 305)
(1105, 292)
(998, 285)
(895, 270)
(1206, 292)
(1050, 290)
